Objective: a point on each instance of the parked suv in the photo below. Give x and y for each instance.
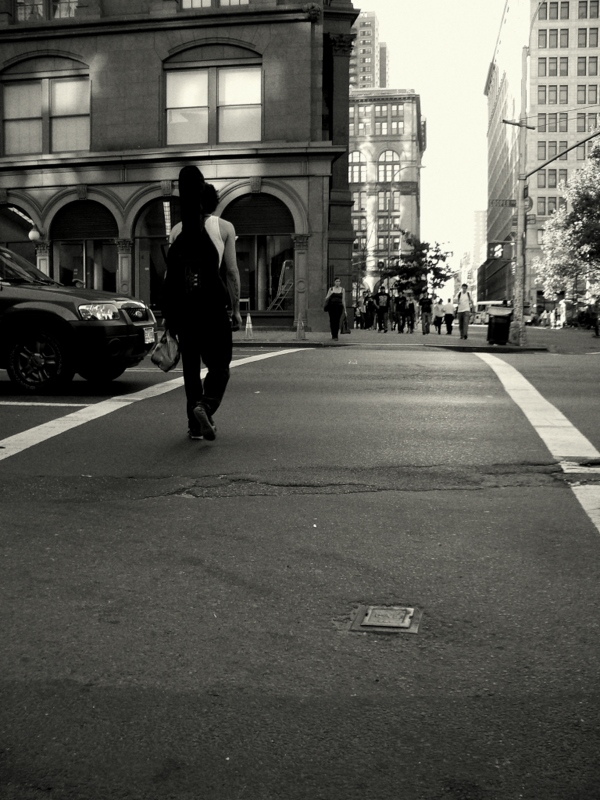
(48, 332)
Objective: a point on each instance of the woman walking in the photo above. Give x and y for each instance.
(335, 305)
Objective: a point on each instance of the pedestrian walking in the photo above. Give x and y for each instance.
(382, 302)
(438, 315)
(195, 299)
(449, 316)
(400, 304)
(464, 309)
(411, 314)
(425, 304)
(335, 305)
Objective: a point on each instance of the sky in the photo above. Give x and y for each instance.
(442, 49)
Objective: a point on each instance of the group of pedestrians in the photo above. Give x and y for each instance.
(401, 311)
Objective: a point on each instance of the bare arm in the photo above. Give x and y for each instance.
(232, 273)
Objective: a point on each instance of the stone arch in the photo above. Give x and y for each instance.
(283, 193)
(13, 64)
(102, 196)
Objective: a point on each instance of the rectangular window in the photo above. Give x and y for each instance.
(562, 202)
(593, 65)
(593, 38)
(564, 9)
(351, 130)
(564, 95)
(541, 123)
(552, 179)
(541, 95)
(580, 123)
(582, 10)
(541, 206)
(562, 175)
(564, 66)
(187, 107)
(239, 101)
(69, 115)
(542, 38)
(552, 95)
(562, 146)
(543, 12)
(542, 67)
(592, 122)
(564, 37)
(594, 9)
(397, 126)
(381, 129)
(582, 65)
(553, 37)
(582, 37)
(29, 10)
(551, 205)
(381, 111)
(552, 62)
(552, 149)
(581, 93)
(581, 152)
(563, 121)
(552, 121)
(592, 95)
(541, 151)
(50, 115)
(553, 10)
(541, 179)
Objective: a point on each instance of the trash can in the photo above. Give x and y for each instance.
(499, 324)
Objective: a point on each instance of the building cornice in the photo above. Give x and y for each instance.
(269, 151)
(190, 20)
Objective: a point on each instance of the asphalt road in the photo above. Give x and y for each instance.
(176, 615)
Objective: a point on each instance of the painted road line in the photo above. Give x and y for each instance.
(45, 405)
(559, 435)
(41, 433)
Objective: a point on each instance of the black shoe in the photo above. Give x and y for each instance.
(194, 433)
(208, 429)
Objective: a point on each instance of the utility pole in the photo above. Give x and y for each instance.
(518, 334)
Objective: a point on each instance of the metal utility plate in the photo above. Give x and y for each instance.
(387, 619)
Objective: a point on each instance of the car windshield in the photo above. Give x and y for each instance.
(16, 269)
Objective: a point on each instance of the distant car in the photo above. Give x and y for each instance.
(48, 331)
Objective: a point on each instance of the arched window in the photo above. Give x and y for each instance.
(388, 166)
(357, 167)
(44, 113)
(213, 95)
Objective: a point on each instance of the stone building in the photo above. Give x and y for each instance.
(562, 108)
(103, 102)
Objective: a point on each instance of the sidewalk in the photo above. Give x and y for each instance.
(359, 338)
(565, 341)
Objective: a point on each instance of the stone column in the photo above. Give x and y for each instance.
(341, 234)
(300, 277)
(42, 257)
(124, 269)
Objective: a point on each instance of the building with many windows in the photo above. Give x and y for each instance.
(103, 101)
(387, 142)
(562, 82)
(369, 64)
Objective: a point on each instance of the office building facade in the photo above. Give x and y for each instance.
(103, 102)
(562, 83)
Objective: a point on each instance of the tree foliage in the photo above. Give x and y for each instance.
(424, 267)
(571, 242)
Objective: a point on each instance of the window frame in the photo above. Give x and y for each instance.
(213, 68)
(46, 118)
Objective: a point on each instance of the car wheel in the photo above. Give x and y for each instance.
(102, 373)
(39, 361)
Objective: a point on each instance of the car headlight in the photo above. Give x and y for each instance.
(99, 311)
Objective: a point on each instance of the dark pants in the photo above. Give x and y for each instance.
(449, 318)
(410, 322)
(382, 319)
(335, 315)
(207, 340)
(437, 323)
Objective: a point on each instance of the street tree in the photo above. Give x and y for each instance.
(570, 261)
(423, 267)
